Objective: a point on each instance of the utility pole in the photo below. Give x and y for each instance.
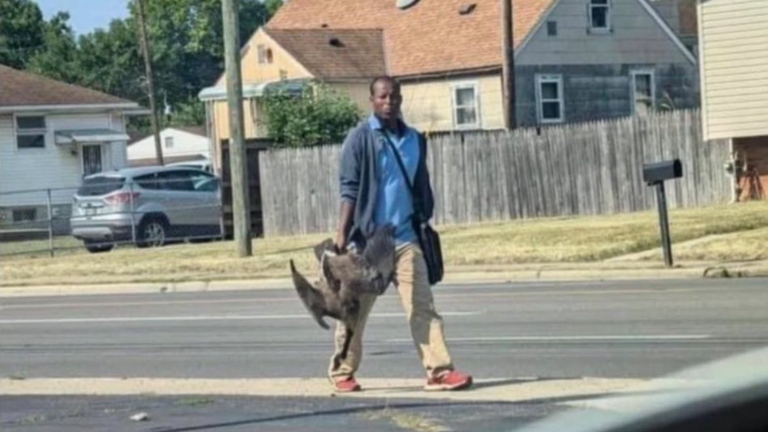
(508, 65)
(241, 209)
(150, 82)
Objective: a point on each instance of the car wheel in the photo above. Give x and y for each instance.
(153, 232)
(97, 247)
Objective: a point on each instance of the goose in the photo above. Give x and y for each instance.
(344, 278)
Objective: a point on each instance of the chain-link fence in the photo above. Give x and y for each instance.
(110, 211)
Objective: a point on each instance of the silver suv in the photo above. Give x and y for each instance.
(152, 205)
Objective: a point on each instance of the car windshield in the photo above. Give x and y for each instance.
(100, 185)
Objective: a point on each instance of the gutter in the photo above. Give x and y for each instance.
(70, 108)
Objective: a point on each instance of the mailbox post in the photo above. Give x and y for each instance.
(655, 174)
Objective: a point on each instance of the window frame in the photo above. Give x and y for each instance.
(608, 16)
(30, 132)
(263, 54)
(548, 79)
(552, 30)
(455, 87)
(633, 88)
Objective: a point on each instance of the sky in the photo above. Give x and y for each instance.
(86, 15)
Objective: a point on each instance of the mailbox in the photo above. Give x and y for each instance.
(655, 174)
(660, 171)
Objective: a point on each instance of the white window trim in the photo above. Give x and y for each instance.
(633, 86)
(542, 79)
(475, 86)
(16, 133)
(608, 15)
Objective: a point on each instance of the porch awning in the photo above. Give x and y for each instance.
(89, 136)
(255, 90)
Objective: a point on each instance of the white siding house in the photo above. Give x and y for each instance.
(178, 145)
(733, 46)
(51, 135)
(734, 67)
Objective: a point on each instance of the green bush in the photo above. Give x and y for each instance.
(317, 116)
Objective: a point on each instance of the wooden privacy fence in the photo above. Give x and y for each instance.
(577, 169)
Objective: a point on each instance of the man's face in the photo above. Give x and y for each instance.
(386, 100)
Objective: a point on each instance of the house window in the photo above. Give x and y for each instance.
(169, 142)
(549, 98)
(30, 132)
(466, 114)
(24, 215)
(264, 54)
(599, 15)
(551, 28)
(643, 94)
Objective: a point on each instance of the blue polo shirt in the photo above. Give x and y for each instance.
(394, 203)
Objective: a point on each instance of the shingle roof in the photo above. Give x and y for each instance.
(18, 88)
(195, 130)
(431, 36)
(334, 53)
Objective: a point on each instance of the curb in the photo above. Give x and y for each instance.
(538, 274)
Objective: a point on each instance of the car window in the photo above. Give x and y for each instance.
(147, 181)
(100, 185)
(207, 184)
(176, 181)
(204, 182)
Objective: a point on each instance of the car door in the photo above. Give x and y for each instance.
(180, 199)
(206, 187)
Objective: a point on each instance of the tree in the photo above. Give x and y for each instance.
(110, 61)
(188, 46)
(21, 32)
(318, 116)
(59, 58)
(272, 6)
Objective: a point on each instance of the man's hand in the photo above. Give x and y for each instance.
(340, 243)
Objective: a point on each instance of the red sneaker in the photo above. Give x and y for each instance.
(345, 384)
(447, 381)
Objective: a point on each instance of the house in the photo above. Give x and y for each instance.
(179, 144)
(733, 47)
(289, 60)
(576, 60)
(681, 16)
(51, 135)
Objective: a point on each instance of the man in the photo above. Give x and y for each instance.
(373, 192)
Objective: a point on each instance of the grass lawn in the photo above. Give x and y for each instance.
(64, 245)
(743, 246)
(552, 240)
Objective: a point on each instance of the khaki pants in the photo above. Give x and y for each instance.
(426, 325)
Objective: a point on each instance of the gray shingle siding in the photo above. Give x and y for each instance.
(594, 92)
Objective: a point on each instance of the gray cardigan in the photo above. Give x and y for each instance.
(358, 173)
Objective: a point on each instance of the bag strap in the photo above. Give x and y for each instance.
(416, 207)
(399, 162)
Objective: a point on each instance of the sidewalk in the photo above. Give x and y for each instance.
(522, 389)
(614, 270)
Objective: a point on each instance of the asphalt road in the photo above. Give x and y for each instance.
(241, 414)
(633, 329)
